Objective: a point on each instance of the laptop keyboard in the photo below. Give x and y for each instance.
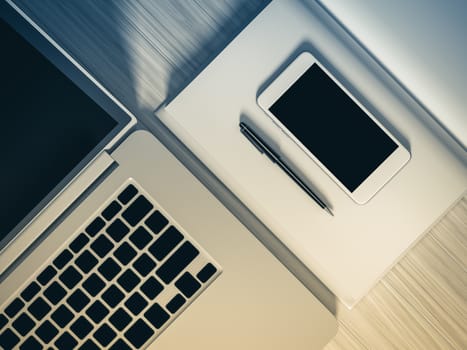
(116, 285)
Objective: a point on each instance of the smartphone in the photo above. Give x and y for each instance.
(333, 128)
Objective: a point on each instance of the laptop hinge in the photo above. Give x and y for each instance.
(54, 210)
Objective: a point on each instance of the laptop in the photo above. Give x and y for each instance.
(107, 241)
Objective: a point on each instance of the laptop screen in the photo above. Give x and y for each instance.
(47, 129)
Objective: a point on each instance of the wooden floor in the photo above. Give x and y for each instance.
(144, 51)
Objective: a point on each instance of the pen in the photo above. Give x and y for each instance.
(263, 147)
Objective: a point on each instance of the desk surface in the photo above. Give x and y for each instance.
(419, 305)
(350, 251)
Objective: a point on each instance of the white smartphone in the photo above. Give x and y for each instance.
(334, 129)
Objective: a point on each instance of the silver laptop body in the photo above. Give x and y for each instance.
(129, 240)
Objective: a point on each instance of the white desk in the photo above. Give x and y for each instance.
(353, 250)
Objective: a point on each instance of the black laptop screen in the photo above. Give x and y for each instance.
(48, 126)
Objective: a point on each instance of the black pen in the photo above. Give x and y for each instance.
(263, 147)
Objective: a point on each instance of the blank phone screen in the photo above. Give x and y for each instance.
(333, 127)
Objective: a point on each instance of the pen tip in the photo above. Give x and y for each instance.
(329, 211)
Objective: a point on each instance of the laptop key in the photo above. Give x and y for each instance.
(62, 316)
(55, 293)
(156, 315)
(104, 335)
(138, 333)
(144, 264)
(175, 303)
(30, 291)
(66, 342)
(156, 222)
(81, 327)
(62, 259)
(95, 226)
(125, 253)
(78, 300)
(89, 345)
(15, 306)
(86, 261)
(120, 319)
(117, 230)
(39, 308)
(31, 344)
(206, 272)
(109, 269)
(93, 285)
(151, 288)
(141, 237)
(8, 339)
(127, 194)
(120, 345)
(128, 280)
(177, 262)
(187, 284)
(46, 331)
(70, 277)
(79, 242)
(3, 321)
(166, 243)
(23, 324)
(101, 246)
(97, 311)
(111, 210)
(136, 303)
(137, 210)
(112, 296)
(46, 275)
